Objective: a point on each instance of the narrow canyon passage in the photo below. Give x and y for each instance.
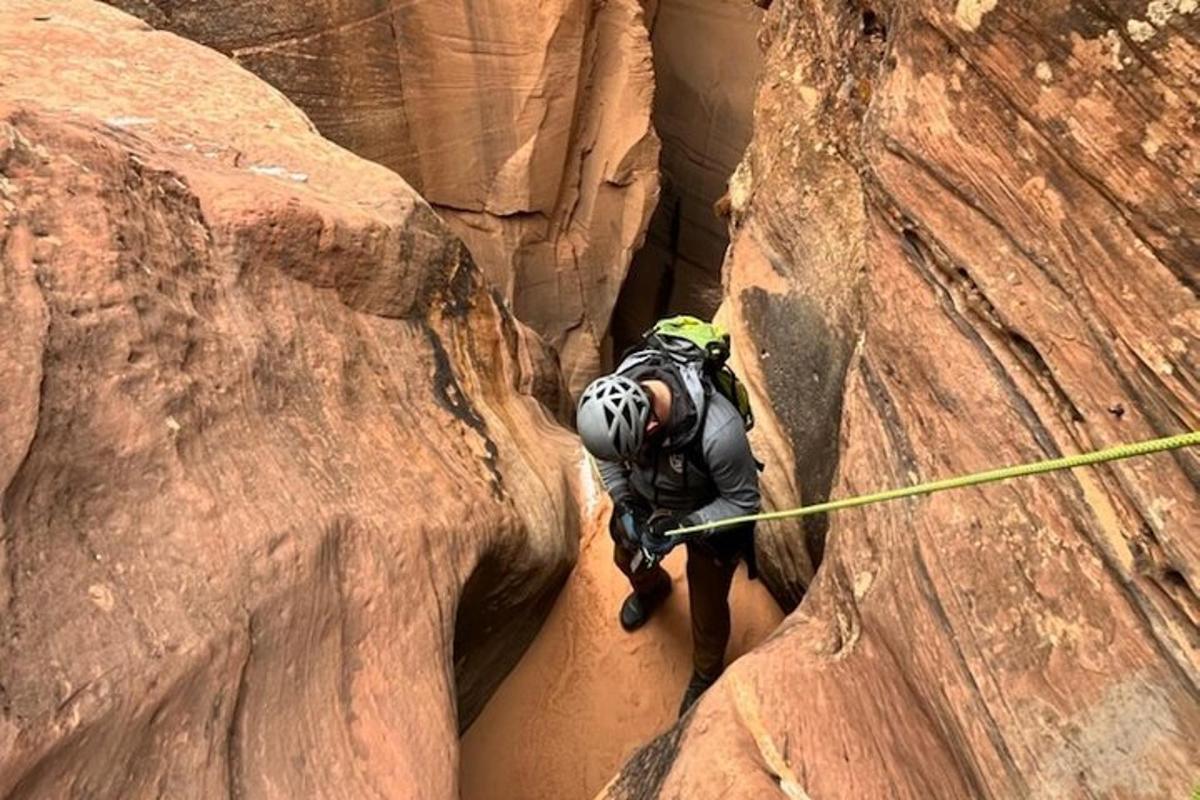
(706, 65)
(587, 695)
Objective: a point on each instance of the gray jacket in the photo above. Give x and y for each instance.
(711, 476)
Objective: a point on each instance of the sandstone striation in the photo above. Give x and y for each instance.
(966, 236)
(525, 124)
(267, 437)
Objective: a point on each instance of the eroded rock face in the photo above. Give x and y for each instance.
(263, 422)
(967, 236)
(526, 124)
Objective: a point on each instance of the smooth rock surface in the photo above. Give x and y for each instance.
(525, 123)
(267, 436)
(967, 236)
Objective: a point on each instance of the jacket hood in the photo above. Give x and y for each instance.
(688, 394)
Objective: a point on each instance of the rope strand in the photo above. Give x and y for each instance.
(990, 476)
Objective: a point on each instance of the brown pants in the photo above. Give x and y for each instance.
(709, 576)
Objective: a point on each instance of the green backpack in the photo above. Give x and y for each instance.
(692, 340)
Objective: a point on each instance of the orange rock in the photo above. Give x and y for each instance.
(983, 255)
(526, 124)
(267, 436)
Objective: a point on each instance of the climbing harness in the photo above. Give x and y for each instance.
(1036, 468)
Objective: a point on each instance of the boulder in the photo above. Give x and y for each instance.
(966, 236)
(279, 508)
(525, 124)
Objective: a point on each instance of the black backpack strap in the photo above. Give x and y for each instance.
(693, 452)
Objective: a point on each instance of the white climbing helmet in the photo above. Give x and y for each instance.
(612, 417)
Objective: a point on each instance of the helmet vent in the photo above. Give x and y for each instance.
(612, 417)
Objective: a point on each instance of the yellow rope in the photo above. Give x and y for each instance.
(1019, 471)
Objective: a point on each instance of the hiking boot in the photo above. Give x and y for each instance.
(696, 687)
(637, 608)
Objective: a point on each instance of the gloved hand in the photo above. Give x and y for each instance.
(654, 532)
(631, 519)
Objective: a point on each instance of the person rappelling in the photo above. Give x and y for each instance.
(668, 431)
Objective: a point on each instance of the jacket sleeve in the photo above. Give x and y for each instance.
(616, 478)
(735, 473)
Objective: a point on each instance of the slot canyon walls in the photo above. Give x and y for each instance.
(966, 235)
(525, 124)
(267, 436)
(706, 64)
(272, 434)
